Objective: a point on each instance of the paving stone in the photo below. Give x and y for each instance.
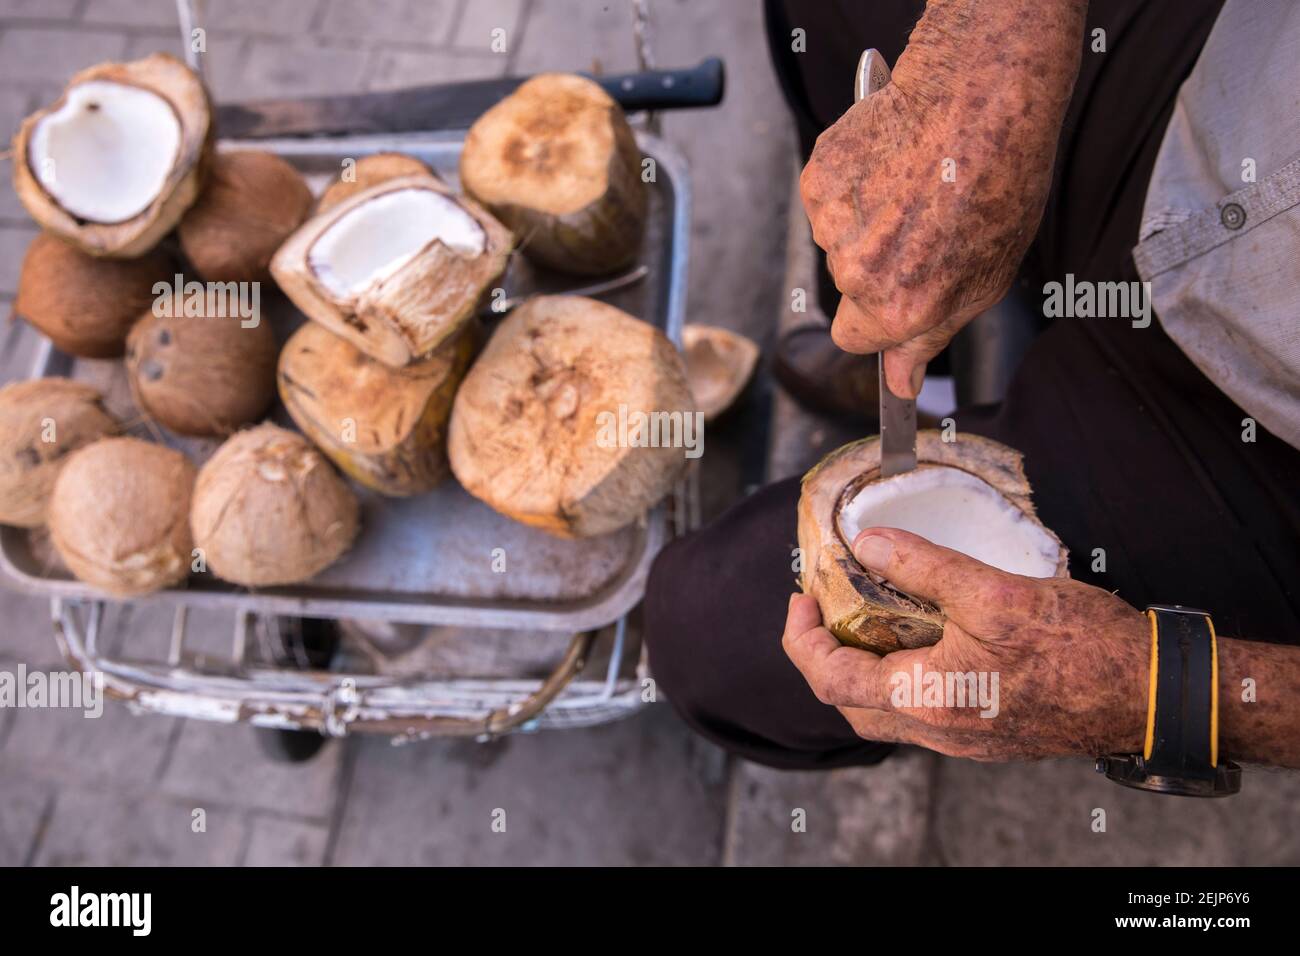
(62, 746)
(104, 828)
(278, 842)
(42, 54)
(23, 804)
(426, 22)
(393, 69)
(274, 68)
(226, 764)
(135, 13)
(1041, 814)
(13, 245)
(278, 17)
(37, 9)
(624, 793)
(858, 816)
(577, 35)
(27, 635)
(481, 17)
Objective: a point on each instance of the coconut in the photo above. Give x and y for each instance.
(118, 513)
(41, 423)
(557, 163)
(371, 171)
(252, 202)
(535, 428)
(201, 375)
(269, 509)
(719, 363)
(115, 162)
(384, 427)
(969, 495)
(86, 305)
(396, 269)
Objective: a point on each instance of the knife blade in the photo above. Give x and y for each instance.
(897, 415)
(454, 105)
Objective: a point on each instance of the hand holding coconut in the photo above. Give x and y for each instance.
(1072, 661)
(926, 194)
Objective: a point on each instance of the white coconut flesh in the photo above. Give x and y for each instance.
(106, 153)
(957, 510)
(371, 241)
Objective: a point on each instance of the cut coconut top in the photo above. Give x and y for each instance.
(106, 153)
(956, 510)
(373, 240)
(546, 146)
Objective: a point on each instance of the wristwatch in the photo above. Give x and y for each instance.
(1181, 755)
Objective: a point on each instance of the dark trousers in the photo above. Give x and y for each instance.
(1132, 453)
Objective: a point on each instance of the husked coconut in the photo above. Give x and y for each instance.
(535, 429)
(118, 515)
(201, 375)
(42, 422)
(371, 171)
(557, 162)
(396, 269)
(86, 305)
(719, 363)
(115, 162)
(268, 509)
(384, 427)
(970, 495)
(252, 202)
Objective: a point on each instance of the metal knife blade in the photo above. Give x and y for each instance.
(897, 415)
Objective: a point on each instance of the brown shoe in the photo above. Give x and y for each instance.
(822, 377)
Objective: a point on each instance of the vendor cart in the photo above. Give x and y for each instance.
(440, 560)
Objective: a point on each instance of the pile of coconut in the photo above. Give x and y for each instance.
(388, 380)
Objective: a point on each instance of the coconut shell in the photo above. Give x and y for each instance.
(175, 82)
(70, 414)
(384, 427)
(371, 171)
(200, 375)
(408, 314)
(86, 305)
(268, 509)
(719, 363)
(855, 608)
(118, 513)
(557, 162)
(530, 423)
(251, 204)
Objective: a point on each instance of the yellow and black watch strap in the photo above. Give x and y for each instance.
(1181, 753)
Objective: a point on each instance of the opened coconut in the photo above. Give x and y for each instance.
(557, 162)
(969, 495)
(118, 515)
(199, 374)
(41, 423)
(115, 162)
(370, 171)
(553, 424)
(86, 305)
(396, 269)
(268, 509)
(719, 363)
(384, 427)
(251, 204)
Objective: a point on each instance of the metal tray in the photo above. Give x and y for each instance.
(428, 559)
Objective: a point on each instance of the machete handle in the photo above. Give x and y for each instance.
(691, 88)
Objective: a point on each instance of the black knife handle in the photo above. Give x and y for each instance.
(702, 85)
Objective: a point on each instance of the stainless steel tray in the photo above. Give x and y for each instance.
(428, 559)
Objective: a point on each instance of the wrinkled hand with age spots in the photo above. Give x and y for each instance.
(1072, 660)
(916, 257)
